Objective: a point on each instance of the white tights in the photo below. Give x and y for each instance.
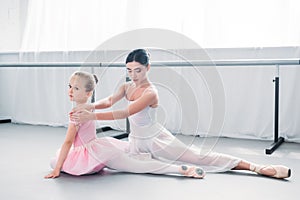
(170, 149)
(126, 163)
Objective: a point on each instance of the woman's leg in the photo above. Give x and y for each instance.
(174, 150)
(124, 162)
(277, 171)
(211, 161)
(244, 165)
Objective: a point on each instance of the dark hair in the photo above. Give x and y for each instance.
(139, 55)
(96, 78)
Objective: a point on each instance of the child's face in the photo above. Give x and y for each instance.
(77, 91)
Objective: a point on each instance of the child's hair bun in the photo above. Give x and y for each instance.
(96, 78)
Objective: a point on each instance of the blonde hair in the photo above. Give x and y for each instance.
(90, 80)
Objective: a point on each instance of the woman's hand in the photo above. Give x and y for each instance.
(53, 174)
(82, 116)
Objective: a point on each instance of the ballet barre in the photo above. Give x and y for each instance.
(236, 62)
(240, 62)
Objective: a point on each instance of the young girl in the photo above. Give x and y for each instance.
(83, 153)
(149, 136)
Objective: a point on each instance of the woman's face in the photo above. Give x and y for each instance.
(77, 91)
(137, 72)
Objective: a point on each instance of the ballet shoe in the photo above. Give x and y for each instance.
(280, 170)
(195, 172)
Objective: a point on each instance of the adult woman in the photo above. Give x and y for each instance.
(148, 136)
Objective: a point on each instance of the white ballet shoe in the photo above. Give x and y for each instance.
(280, 170)
(195, 172)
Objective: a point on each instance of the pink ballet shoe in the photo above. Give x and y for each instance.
(280, 170)
(195, 172)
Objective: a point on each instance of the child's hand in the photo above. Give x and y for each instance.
(53, 174)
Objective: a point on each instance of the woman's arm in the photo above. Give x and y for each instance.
(102, 103)
(148, 98)
(71, 133)
(141, 103)
(112, 99)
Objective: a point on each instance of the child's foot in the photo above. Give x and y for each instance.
(276, 171)
(195, 172)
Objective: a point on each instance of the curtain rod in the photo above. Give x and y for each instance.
(196, 63)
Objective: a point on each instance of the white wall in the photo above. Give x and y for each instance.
(7, 90)
(12, 22)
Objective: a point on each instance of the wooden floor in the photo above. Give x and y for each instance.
(26, 151)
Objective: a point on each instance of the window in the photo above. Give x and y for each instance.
(67, 25)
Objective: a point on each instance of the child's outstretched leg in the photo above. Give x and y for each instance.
(124, 162)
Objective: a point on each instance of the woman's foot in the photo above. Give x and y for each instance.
(276, 171)
(195, 172)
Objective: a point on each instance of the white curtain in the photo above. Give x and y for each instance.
(39, 96)
(67, 25)
(65, 30)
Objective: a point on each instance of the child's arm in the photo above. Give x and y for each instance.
(71, 133)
